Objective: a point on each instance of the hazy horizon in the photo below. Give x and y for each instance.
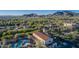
(39, 12)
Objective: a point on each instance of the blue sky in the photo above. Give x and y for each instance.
(21, 12)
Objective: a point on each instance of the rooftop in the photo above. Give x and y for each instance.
(41, 35)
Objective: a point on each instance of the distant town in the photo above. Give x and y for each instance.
(57, 30)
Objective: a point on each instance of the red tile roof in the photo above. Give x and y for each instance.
(41, 35)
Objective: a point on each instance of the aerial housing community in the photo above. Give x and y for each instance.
(57, 30)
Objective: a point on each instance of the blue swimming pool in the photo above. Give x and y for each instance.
(20, 42)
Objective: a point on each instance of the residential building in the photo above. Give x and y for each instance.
(44, 39)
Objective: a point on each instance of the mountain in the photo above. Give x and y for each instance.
(65, 13)
(30, 15)
(57, 13)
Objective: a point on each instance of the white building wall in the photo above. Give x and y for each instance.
(49, 41)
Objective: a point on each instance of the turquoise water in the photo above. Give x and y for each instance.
(20, 42)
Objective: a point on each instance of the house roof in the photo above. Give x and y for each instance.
(41, 35)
